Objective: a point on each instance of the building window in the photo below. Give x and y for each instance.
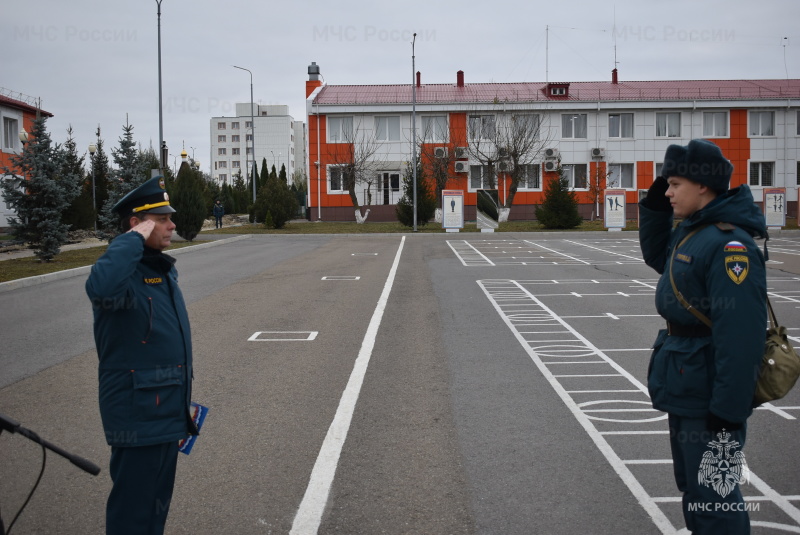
(222, 151)
(235, 138)
(340, 129)
(761, 173)
(221, 139)
(529, 176)
(223, 178)
(762, 123)
(248, 124)
(659, 168)
(479, 177)
(10, 133)
(387, 128)
(481, 127)
(575, 174)
(797, 174)
(235, 151)
(249, 137)
(235, 125)
(220, 126)
(222, 165)
(620, 175)
(336, 179)
(715, 124)
(434, 128)
(248, 150)
(236, 164)
(573, 125)
(668, 124)
(620, 125)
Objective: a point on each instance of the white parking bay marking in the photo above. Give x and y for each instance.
(309, 514)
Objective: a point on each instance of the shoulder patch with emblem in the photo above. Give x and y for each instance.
(735, 247)
(737, 267)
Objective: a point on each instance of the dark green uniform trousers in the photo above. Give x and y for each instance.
(143, 480)
(707, 471)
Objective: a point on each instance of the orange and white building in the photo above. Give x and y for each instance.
(17, 113)
(614, 129)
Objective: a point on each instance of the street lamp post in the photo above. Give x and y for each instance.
(414, 127)
(252, 127)
(92, 150)
(160, 110)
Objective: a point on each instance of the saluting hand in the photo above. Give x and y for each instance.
(144, 228)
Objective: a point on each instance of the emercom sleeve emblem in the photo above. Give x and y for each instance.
(737, 267)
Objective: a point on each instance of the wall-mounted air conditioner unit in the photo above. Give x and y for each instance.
(462, 167)
(551, 154)
(598, 153)
(462, 153)
(440, 152)
(505, 166)
(550, 166)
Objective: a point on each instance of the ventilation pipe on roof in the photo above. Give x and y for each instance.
(614, 79)
(313, 71)
(419, 79)
(460, 79)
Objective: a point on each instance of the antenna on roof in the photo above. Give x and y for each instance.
(785, 42)
(615, 36)
(547, 54)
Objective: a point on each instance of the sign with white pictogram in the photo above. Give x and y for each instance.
(614, 211)
(775, 207)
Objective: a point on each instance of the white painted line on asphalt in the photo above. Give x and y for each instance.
(363, 254)
(557, 252)
(282, 336)
(780, 411)
(341, 278)
(309, 514)
(638, 258)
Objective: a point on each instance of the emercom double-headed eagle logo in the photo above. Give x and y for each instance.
(723, 466)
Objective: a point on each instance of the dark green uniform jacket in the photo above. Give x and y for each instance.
(141, 329)
(721, 272)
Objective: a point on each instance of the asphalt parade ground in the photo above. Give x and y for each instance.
(456, 383)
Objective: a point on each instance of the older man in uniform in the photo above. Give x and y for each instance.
(704, 376)
(144, 346)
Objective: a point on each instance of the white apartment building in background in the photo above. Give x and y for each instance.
(278, 138)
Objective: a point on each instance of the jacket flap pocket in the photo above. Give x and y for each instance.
(157, 377)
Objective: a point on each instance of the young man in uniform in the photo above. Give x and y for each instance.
(141, 330)
(704, 377)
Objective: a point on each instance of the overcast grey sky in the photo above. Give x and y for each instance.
(95, 62)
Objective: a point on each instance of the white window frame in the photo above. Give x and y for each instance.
(235, 151)
(334, 173)
(435, 129)
(235, 125)
(340, 129)
(387, 128)
(481, 127)
(484, 170)
(568, 125)
(758, 180)
(222, 151)
(569, 171)
(11, 129)
(221, 126)
(531, 172)
(620, 124)
(235, 138)
(236, 164)
(670, 128)
(716, 124)
(761, 123)
(617, 174)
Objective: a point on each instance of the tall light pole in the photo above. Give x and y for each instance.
(161, 145)
(414, 126)
(253, 128)
(92, 150)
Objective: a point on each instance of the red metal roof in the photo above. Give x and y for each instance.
(18, 104)
(578, 91)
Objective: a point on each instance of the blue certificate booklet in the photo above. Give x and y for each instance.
(198, 417)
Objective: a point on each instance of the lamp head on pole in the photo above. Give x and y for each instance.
(92, 148)
(23, 136)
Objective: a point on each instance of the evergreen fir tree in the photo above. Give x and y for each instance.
(102, 183)
(79, 214)
(276, 205)
(426, 199)
(189, 203)
(129, 175)
(44, 193)
(559, 210)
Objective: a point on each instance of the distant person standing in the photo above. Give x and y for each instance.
(144, 346)
(705, 364)
(219, 211)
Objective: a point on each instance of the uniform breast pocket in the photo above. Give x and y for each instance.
(158, 393)
(687, 368)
